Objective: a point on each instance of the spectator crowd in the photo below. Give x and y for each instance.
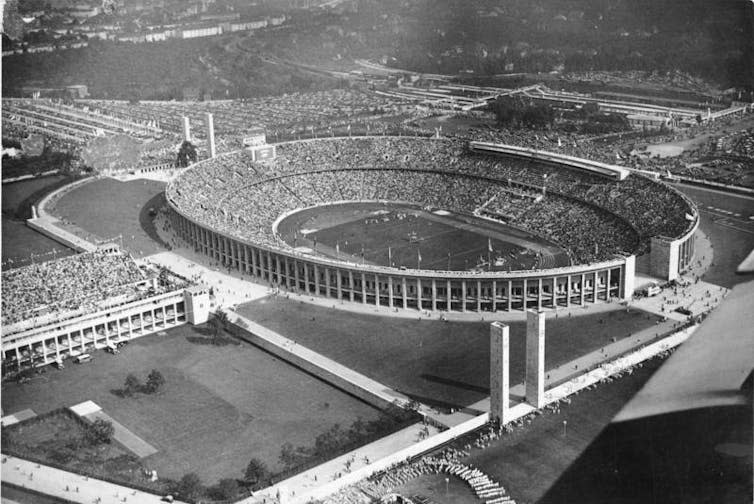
(65, 284)
(592, 216)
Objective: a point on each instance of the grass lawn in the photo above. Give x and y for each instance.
(440, 363)
(22, 496)
(445, 242)
(220, 406)
(20, 241)
(106, 208)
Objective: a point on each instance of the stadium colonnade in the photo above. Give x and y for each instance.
(417, 289)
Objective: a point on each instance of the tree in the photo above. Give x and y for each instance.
(227, 488)
(155, 380)
(186, 154)
(131, 385)
(256, 471)
(99, 432)
(222, 316)
(219, 324)
(289, 456)
(189, 487)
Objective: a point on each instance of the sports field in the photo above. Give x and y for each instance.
(20, 241)
(106, 208)
(439, 363)
(407, 236)
(220, 406)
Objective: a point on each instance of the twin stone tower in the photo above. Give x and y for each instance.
(500, 366)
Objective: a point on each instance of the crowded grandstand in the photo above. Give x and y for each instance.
(592, 216)
(71, 286)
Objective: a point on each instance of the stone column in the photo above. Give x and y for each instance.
(404, 292)
(510, 295)
(434, 295)
(478, 296)
(554, 292)
(306, 278)
(418, 294)
(254, 263)
(494, 296)
(339, 283)
(535, 358)
(316, 279)
(351, 285)
(449, 296)
(363, 288)
(390, 292)
(463, 295)
(499, 372)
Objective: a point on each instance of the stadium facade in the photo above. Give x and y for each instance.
(419, 289)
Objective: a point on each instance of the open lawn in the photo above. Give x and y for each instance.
(20, 241)
(106, 208)
(440, 363)
(406, 236)
(220, 406)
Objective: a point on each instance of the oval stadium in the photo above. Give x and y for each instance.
(433, 224)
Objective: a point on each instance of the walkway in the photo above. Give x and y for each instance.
(333, 372)
(295, 488)
(230, 287)
(70, 486)
(130, 441)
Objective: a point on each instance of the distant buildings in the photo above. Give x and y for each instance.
(136, 21)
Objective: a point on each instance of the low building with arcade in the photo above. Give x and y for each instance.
(64, 308)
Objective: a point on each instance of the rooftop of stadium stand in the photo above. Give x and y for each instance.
(44, 292)
(593, 215)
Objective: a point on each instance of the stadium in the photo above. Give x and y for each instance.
(460, 226)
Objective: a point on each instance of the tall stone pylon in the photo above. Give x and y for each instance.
(210, 135)
(535, 358)
(499, 372)
(186, 129)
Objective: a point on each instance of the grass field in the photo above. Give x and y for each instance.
(440, 363)
(105, 208)
(20, 241)
(441, 241)
(220, 406)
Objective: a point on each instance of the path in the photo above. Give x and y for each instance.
(70, 486)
